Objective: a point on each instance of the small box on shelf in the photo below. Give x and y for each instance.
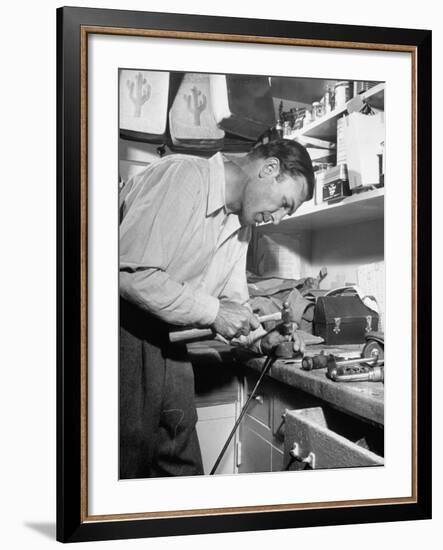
(358, 145)
(332, 184)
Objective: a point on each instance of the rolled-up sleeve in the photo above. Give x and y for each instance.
(151, 232)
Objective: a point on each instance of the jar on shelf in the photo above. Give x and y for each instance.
(318, 110)
(287, 130)
(279, 129)
(342, 93)
(307, 118)
(328, 100)
(361, 86)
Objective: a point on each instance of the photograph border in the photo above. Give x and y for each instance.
(73, 27)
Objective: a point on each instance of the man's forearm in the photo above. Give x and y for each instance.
(154, 291)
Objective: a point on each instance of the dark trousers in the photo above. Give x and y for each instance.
(157, 410)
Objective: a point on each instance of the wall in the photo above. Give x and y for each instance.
(342, 249)
(353, 255)
(27, 229)
(276, 251)
(134, 156)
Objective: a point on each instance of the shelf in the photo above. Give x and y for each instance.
(326, 127)
(365, 206)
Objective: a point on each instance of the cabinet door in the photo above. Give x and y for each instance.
(256, 452)
(277, 460)
(260, 406)
(213, 427)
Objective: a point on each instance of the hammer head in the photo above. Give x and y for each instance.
(287, 321)
(285, 350)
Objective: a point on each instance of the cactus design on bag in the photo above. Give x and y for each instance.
(196, 107)
(139, 93)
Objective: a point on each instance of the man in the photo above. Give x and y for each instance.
(184, 233)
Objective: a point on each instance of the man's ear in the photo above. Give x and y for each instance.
(270, 168)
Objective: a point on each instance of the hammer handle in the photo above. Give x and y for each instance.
(197, 333)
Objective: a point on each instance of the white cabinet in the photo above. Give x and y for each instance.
(215, 422)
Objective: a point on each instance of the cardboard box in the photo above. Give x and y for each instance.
(359, 144)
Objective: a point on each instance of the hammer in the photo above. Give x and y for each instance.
(199, 333)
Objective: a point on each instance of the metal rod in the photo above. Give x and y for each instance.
(268, 364)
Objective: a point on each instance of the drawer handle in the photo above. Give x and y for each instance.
(309, 459)
(259, 399)
(283, 420)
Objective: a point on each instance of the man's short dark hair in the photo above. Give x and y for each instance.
(293, 157)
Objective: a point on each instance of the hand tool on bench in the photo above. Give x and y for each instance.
(375, 345)
(358, 373)
(368, 367)
(347, 370)
(332, 361)
(373, 350)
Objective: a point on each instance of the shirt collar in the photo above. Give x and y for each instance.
(216, 193)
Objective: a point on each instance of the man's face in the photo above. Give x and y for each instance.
(268, 196)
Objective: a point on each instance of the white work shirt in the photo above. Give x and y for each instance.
(180, 251)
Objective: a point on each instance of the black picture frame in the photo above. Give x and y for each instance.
(72, 520)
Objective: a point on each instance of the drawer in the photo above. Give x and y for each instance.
(318, 446)
(260, 406)
(287, 398)
(277, 458)
(255, 452)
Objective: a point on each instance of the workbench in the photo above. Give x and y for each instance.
(342, 420)
(361, 399)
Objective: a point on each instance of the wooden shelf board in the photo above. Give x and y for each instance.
(365, 206)
(326, 127)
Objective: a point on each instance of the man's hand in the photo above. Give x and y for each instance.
(234, 320)
(272, 339)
